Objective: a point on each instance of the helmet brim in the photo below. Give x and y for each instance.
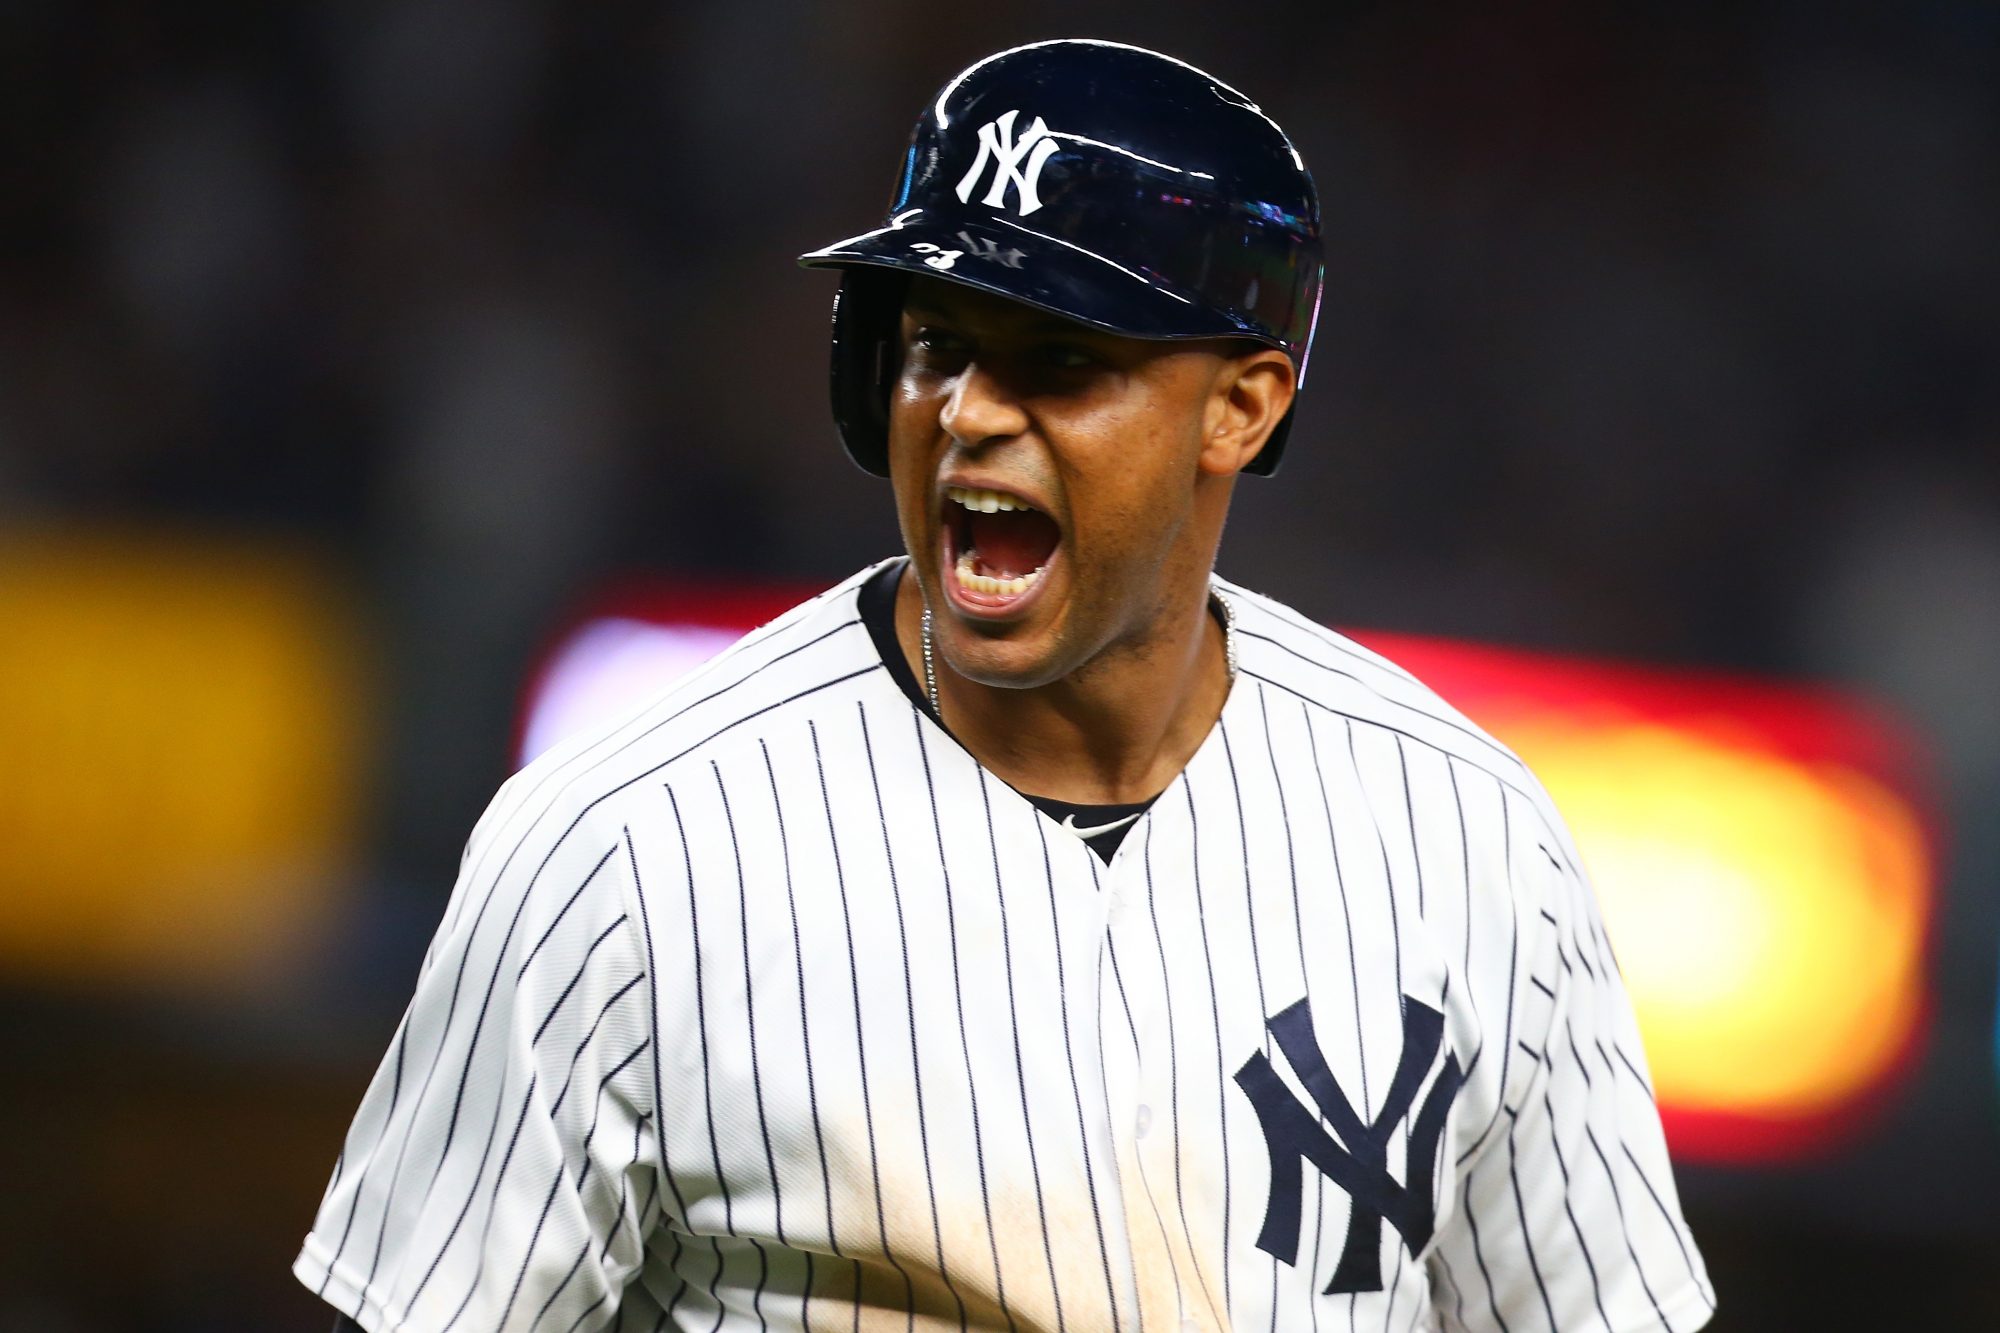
(992, 254)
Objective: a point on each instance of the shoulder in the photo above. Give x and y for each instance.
(1292, 655)
(1283, 648)
(816, 656)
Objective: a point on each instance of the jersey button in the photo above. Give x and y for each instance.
(1142, 1120)
(1190, 1326)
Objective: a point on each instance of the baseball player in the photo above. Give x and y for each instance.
(1034, 932)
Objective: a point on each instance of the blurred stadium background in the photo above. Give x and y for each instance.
(372, 373)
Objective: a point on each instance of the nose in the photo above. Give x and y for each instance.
(981, 408)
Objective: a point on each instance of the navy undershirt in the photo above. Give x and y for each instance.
(878, 613)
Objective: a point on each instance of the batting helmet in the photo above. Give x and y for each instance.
(1104, 183)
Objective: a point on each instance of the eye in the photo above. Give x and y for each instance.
(933, 344)
(1069, 356)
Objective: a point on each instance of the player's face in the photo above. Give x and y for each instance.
(1058, 487)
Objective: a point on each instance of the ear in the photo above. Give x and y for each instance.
(1253, 391)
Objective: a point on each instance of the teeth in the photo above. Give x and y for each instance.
(966, 570)
(986, 502)
(973, 581)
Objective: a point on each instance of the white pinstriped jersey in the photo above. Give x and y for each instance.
(769, 1008)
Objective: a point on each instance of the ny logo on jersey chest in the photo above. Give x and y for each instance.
(1016, 161)
(1293, 1133)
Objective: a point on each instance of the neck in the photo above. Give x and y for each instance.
(1117, 730)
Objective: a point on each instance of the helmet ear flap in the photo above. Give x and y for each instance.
(865, 363)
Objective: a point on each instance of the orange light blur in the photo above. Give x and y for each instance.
(1765, 873)
(182, 725)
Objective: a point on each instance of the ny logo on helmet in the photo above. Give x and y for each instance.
(998, 145)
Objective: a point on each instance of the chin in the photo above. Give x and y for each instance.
(1003, 661)
(1024, 655)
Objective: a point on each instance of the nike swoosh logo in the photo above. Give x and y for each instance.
(1069, 826)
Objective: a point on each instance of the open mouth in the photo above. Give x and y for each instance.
(998, 546)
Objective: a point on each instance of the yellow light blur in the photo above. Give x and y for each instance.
(178, 752)
(1768, 914)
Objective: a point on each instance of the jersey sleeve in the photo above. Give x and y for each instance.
(502, 1169)
(1567, 1216)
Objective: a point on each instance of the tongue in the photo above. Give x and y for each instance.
(1013, 542)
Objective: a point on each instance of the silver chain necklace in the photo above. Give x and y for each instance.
(1228, 649)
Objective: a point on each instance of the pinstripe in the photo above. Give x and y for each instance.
(680, 1289)
(597, 1113)
(1069, 1056)
(1513, 961)
(586, 1313)
(472, 1191)
(1624, 1226)
(805, 1024)
(1675, 1226)
(1479, 1254)
(1346, 914)
(638, 1127)
(506, 1160)
(1465, 860)
(750, 1010)
(964, 1041)
(1174, 1074)
(326, 1197)
(568, 903)
(521, 1273)
(1576, 1228)
(701, 1014)
(757, 1292)
(860, 1036)
(1525, 792)
(1250, 918)
(1215, 1014)
(1666, 1214)
(1326, 638)
(1020, 1070)
(1107, 1122)
(910, 1001)
(1527, 1232)
(1382, 849)
(1305, 970)
(653, 1018)
(646, 1207)
(444, 1153)
(1417, 1307)
(1470, 733)
(576, 1055)
(479, 1171)
(756, 1068)
(1457, 1292)
(548, 1199)
(715, 1284)
(1159, 1218)
(581, 968)
(1410, 812)
(560, 1287)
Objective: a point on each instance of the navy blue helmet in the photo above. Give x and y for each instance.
(1104, 183)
